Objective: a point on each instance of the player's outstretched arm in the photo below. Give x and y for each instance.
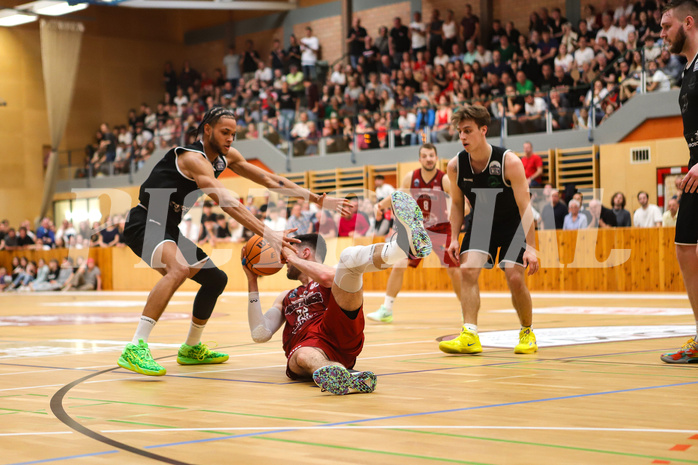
(240, 166)
(197, 168)
(516, 175)
(262, 325)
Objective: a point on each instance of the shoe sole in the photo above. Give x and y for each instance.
(451, 350)
(337, 380)
(528, 350)
(410, 217)
(681, 361)
(193, 361)
(131, 367)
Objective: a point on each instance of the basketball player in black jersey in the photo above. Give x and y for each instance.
(152, 232)
(493, 182)
(680, 33)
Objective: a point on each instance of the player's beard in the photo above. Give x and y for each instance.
(216, 146)
(677, 45)
(429, 167)
(292, 272)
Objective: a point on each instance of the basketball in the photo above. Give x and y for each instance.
(260, 258)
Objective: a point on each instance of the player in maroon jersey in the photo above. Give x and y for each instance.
(429, 186)
(323, 317)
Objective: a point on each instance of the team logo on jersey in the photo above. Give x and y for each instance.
(496, 168)
(467, 179)
(494, 181)
(416, 183)
(219, 164)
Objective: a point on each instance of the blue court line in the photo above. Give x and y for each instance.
(93, 454)
(407, 415)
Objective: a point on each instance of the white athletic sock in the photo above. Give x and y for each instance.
(194, 336)
(145, 326)
(388, 303)
(470, 327)
(392, 253)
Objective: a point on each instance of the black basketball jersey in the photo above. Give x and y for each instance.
(167, 176)
(499, 195)
(688, 101)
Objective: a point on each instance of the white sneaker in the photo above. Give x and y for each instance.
(382, 315)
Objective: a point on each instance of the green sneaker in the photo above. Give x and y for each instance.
(382, 314)
(138, 358)
(199, 354)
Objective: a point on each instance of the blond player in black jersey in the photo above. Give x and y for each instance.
(493, 182)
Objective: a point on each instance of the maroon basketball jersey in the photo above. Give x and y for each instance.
(303, 308)
(431, 198)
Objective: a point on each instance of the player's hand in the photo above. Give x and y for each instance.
(287, 253)
(250, 275)
(689, 183)
(343, 206)
(453, 251)
(280, 239)
(378, 212)
(530, 260)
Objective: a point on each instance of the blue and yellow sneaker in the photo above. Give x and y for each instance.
(382, 314)
(412, 238)
(338, 380)
(139, 359)
(688, 353)
(199, 354)
(527, 342)
(467, 342)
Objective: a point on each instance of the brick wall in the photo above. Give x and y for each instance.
(518, 11)
(383, 16)
(457, 6)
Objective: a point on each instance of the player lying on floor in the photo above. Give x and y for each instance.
(324, 320)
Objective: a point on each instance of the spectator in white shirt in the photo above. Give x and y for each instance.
(383, 189)
(263, 73)
(624, 29)
(584, 54)
(608, 30)
(658, 80)
(648, 215)
(418, 34)
(483, 55)
(180, 100)
(310, 45)
(338, 77)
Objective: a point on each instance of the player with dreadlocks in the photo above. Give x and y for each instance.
(152, 232)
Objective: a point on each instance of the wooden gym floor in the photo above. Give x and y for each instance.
(595, 393)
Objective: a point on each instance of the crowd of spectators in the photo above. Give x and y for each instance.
(30, 276)
(407, 78)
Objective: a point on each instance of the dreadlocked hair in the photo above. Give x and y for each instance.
(211, 118)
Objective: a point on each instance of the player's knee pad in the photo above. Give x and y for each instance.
(352, 263)
(213, 282)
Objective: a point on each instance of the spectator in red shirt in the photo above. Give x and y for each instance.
(356, 224)
(533, 165)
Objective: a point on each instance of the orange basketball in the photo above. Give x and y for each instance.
(260, 258)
